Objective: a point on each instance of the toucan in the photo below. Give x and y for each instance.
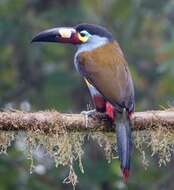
(101, 62)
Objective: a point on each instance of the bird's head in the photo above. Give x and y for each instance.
(81, 34)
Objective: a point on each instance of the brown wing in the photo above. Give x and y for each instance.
(107, 70)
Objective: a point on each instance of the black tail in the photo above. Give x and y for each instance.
(124, 142)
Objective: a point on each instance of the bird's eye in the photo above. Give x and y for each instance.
(84, 36)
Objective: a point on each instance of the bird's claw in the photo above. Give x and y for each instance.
(88, 114)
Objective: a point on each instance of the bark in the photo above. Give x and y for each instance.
(52, 121)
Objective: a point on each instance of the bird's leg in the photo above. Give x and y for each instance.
(100, 107)
(98, 101)
(100, 104)
(109, 111)
(87, 114)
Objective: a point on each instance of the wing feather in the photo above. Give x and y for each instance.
(107, 70)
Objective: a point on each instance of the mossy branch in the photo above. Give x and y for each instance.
(53, 130)
(53, 121)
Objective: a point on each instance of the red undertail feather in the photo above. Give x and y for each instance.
(110, 112)
(125, 173)
(99, 103)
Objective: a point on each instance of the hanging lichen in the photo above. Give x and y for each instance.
(160, 141)
(5, 141)
(66, 148)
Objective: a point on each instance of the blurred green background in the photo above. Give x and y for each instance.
(42, 76)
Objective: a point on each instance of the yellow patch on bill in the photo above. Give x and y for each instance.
(66, 32)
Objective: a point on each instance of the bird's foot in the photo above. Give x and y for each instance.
(88, 114)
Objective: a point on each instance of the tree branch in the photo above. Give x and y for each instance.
(52, 121)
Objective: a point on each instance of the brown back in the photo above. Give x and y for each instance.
(107, 70)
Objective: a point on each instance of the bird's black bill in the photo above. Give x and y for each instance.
(59, 35)
(51, 35)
